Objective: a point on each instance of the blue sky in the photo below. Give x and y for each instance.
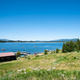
(39, 19)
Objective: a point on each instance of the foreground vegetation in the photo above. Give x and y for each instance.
(53, 66)
(71, 46)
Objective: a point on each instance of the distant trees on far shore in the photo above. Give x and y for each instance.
(2, 41)
(71, 46)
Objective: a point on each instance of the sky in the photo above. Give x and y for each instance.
(39, 19)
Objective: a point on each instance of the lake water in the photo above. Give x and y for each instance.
(29, 47)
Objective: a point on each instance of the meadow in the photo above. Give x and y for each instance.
(53, 66)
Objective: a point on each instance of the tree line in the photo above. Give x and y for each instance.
(71, 46)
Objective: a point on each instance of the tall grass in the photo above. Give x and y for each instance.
(42, 74)
(47, 67)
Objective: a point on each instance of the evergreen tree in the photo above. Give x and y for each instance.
(18, 54)
(67, 46)
(63, 49)
(57, 50)
(77, 48)
(75, 45)
(45, 52)
(78, 43)
(71, 46)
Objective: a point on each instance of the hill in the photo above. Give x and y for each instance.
(54, 66)
(59, 40)
(4, 40)
(65, 40)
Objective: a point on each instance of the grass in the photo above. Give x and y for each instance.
(42, 74)
(53, 66)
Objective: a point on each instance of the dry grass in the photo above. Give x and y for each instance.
(57, 60)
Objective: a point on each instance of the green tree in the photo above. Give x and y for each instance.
(63, 49)
(78, 41)
(77, 48)
(67, 46)
(71, 46)
(18, 54)
(75, 45)
(45, 52)
(57, 50)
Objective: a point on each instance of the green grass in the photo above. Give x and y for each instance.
(42, 75)
(53, 66)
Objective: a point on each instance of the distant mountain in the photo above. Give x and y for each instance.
(65, 40)
(4, 40)
(59, 40)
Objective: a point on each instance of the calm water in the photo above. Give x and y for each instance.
(29, 47)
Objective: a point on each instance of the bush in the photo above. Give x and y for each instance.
(28, 57)
(18, 54)
(37, 56)
(57, 50)
(54, 51)
(45, 52)
(74, 57)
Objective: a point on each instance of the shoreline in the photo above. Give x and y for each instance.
(31, 42)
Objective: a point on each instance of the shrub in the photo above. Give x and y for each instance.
(57, 50)
(54, 51)
(18, 54)
(45, 52)
(37, 56)
(28, 57)
(74, 57)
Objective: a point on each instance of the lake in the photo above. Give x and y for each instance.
(29, 47)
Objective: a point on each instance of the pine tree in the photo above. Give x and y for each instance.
(67, 46)
(57, 50)
(45, 52)
(78, 43)
(71, 46)
(63, 49)
(77, 48)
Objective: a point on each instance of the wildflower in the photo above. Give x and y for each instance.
(39, 67)
(62, 75)
(19, 70)
(24, 69)
(53, 67)
(64, 71)
(48, 69)
(58, 73)
(35, 68)
(75, 78)
(24, 72)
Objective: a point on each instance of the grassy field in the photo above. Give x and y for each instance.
(53, 66)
